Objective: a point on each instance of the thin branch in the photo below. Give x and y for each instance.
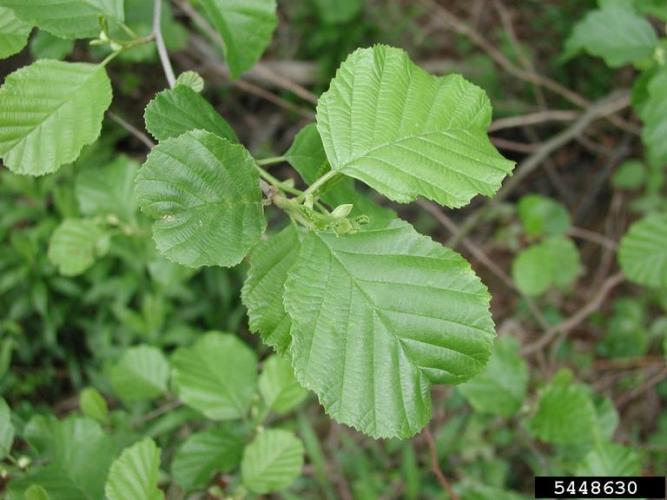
(435, 466)
(132, 130)
(564, 327)
(161, 47)
(533, 119)
(592, 236)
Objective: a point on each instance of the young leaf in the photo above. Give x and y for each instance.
(272, 461)
(191, 79)
(406, 133)
(204, 193)
(615, 33)
(307, 156)
(75, 244)
(173, 112)
(554, 262)
(206, 453)
(643, 251)
(68, 18)
(6, 429)
(631, 174)
(217, 376)
(246, 28)
(379, 316)
(13, 33)
(565, 412)
(610, 459)
(135, 473)
(542, 216)
(108, 190)
(36, 492)
(142, 373)
(501, 388)
(279, 387)
(262, 292)
(48, 112)
(93, 405)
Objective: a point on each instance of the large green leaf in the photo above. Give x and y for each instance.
(272, 461)
(135, 473)
(6, 429)
(142, 373)
(406, 133)
(262, 292)
(68, 18)
(278, 386)
(610, 459)
(246, 27)
(307, 156)
(565, 412)
(75, 244)
(13, 33)
(205, 453)
(48, 112)
(108, 190)
(643, 251)
(204, 193)
(378, 317)
(79, 455)
(654, 115)
(501, 388)
(173, 112)
(615, 33)
(217, 376)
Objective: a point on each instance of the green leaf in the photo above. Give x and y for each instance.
(204, 193)
(75, 244)
(48, 112)
(36, 492)
(610, 459)
(542, 216)
(272, 461)
(278, 386)
(643, 251)
(338, 11)
(262, 292)
(246, 28)
(206, 453)
(135, 473)
(565, 412)
(554, 262)
(142, 373)
(173, 112)
(108, 190)
(631, 174)
(6, 429)
(191, 79)
(46, 46)
(379, 316)
(68, 18)
(93, 405)
(217, 376)
(307, 156)
(615, 32)
(79, 453)
(501, 388)
(13, 33)
(654, 115)
(406, 133)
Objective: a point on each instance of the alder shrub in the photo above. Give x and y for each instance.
(358, 307)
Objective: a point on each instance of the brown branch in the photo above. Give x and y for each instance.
(533, 119)
(564, 327)
(138, 134)
(435, 466)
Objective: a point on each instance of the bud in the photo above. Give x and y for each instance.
(342, 211)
